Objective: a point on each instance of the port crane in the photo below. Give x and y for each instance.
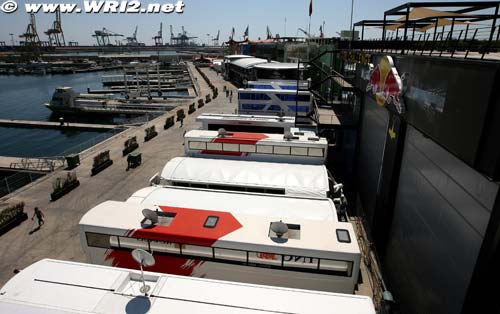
(216, 39)
(31, 35)
(305, 32)
(232, 34)
(159, 38)
(268, 32)
(56, 34)
(182, 39)
(132, 40)
(103, 37)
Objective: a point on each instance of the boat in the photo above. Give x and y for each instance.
(67, 101)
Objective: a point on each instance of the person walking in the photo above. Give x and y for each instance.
(39, 215)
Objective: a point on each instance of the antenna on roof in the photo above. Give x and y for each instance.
(288, 136)
(279, 228)
(144, 259)
(150, 215)
(222, 132)
(280, 116)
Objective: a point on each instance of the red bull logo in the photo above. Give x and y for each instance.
(386, 85)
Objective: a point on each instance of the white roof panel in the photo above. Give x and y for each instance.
(263, 137)
(248, 62)
(51, 286)
(279, 66)
(232, 57)
(235, 230)
(297, 180)
(228, 117)
(241, 203)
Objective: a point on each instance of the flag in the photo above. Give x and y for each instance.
(311, 8)
(245, 35)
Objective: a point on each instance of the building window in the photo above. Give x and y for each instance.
(246, 148)
(316, 152)
(214, 146)
(282, 150)
(299, 151)
(197, 145)
(228, 147)
(265, 149)
(98, 240)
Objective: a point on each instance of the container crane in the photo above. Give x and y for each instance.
(268, 32)
(182, 39)
(159, 38)
(232, 34)
(56, 34)
(132, 40)
(305, 32)
(216, 39)
(103, 37)
(31, 36)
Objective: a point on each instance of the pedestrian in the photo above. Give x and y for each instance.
(182, 121)
(39, 215)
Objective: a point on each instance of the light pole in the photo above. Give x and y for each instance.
(12, 39)
(351, 26)
(208, 40)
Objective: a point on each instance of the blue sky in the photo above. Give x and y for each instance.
(202, 17)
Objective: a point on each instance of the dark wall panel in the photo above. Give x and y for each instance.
(448, 100)
(442, 210)
(371, 150)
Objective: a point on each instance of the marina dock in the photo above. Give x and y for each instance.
(29, 124)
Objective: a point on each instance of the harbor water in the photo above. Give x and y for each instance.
(22, 98)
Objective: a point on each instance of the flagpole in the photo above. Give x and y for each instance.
(309, 30)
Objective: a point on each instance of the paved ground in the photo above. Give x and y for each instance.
(58, 238)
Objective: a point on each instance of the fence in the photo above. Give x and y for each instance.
(18, 180)
(462, 41)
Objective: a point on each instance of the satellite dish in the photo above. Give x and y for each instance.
(144, 259)
(152, 216)
(222, 132)
(288, 136)
(279, 228)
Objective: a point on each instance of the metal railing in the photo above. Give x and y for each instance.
(460, 42)
(44, 164)
(91, 142)
(16, 181)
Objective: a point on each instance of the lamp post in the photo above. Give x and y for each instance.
(351, 26)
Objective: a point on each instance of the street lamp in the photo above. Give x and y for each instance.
(208, 40)
(351, 26)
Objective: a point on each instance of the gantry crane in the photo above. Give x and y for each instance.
(132, 40)
(182, 39)
(268, 32)
(305, 32)
(159, 38)
(103, 37)
(56, 34)
(31, 36)
(216, 39)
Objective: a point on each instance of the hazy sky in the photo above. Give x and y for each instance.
(202, 17)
